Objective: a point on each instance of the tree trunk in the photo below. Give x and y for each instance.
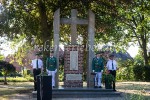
(85, 55)
(5, 80)
(23, 71)
(45, 31)
(145, 56)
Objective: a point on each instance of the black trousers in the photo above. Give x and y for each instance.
(35, 73)
(113, 72)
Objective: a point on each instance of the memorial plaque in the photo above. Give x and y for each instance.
(73, 60)
(73, 76)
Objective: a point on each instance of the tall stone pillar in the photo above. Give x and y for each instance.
(74, 26)
(56, 25)
(91, 35)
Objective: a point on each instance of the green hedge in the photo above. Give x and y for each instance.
(141, 73)
(17, 79)
(147, 73)
(138, 72)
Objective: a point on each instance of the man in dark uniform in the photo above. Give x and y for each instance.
(97, 67)
(51, 67)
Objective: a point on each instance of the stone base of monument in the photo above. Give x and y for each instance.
(73, 66)
(83, 93)
(73, 84)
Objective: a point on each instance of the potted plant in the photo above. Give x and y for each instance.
(108, 80)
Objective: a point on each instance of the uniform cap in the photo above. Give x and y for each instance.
(51, 51)
(99, 52)
(38, 53)
(111, 55)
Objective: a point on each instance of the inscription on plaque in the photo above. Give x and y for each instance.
(73, 60)
(73, 76)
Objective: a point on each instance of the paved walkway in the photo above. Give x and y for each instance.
(106, 98)
(22, 97)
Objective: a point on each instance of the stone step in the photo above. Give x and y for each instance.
(83, 93)
(81, 90)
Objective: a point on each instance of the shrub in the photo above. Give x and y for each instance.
(147, 73)
(15, 74)
(125, 73)
(12, 79)
(61, 73)
(107, 79)
(138, 72)
(29, 78)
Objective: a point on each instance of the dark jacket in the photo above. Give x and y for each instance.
(51, 63)
(97, 64)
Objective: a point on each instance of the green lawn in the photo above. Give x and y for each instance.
(134, 90)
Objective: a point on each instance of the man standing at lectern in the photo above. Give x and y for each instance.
(37, 66)
(97, 67)
(51, 67)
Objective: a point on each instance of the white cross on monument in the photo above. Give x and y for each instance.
(73, 21)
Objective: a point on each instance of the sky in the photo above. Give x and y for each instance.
(133, 51)
(5, 47)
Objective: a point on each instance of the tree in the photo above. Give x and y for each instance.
(32, 18)
(21, 54)
(137, 25)
(6, 69)
(131, 25)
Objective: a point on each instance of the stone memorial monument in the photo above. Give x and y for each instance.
(73, 66)
(73, 54)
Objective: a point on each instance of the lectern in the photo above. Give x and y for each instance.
(44, 87)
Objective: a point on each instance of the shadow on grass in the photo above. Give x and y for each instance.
(4, 92)
(15, 88)
(133, 86)
(131, 96)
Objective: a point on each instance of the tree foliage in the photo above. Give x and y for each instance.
(128, 25)
(34, 18)
(1, 57)
(141, 27)
(134, 25)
